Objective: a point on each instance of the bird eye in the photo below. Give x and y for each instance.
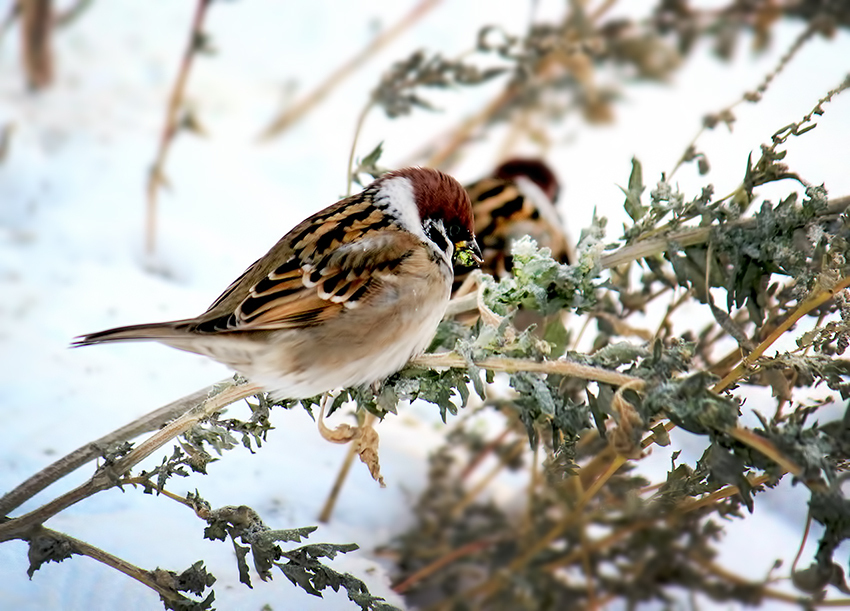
(455, 233)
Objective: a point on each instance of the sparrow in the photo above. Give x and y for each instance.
(344, 299)
(517, 199)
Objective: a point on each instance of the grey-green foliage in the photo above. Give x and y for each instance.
(767, 265)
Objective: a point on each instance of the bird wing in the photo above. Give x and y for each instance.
(332, 262)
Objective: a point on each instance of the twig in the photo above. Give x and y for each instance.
(478, 488)
(484, 453)
(489, 587)
(765, 447)
(36, 34)
(156, 178)
(430, 569)
(361, 119)
(498, 363)
(107, 478)
(464, 132)
(750, 96)
(290, 116)
(812, 302)
(94, 449)
(647, 248)
(95, 553)
(692, 237)
(803, 601)
(72, 13)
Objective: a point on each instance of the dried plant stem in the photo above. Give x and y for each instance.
(724, 493)
(487, 479)
(817, 299)
(691, 237)
(189, 405)
(765, 447)
(719, 571)
(498, 363)
(156, 177)
(464, 131)
(361, 119)
(36, 36)
(484, 453)
(103, 479)
(802, 542)
(293, 114)
(492, 585)
(351, 454)
(755, 96)
(94, 449)
(648, 248)
(430, 569)
(95, 553)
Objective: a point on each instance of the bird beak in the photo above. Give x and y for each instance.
(468, 254)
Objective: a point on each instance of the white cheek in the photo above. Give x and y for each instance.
(398, 193)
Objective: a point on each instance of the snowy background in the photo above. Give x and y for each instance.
(71, 254)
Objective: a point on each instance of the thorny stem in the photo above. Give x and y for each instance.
(810, 303)
(292, 115)
(156, 177)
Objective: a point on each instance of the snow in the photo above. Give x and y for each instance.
(71, 256)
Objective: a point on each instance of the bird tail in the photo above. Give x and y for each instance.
(162, 331)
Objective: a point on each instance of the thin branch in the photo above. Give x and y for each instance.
(478, 488)
(812, 302)
(95, 553)
(156, 178)
(765, 447)
(361, 119)
(750, 96)
(106, 478)
(36, 37)
(656, 246)
(72, 13)
(499, 363)
(94, 449)
(436, 565)
(290, 116)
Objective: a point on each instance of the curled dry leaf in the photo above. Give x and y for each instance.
(368, 451)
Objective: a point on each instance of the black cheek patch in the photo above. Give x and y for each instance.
(436, 236)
